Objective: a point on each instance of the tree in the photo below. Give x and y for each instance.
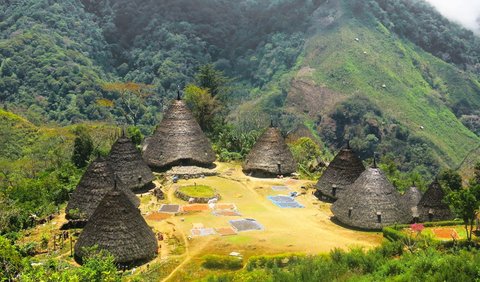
(82, 147)
(465, 203)
(203, 105)
(135, 134)
(211, 79)
(451, 179)
(304, 150)
(131, 99)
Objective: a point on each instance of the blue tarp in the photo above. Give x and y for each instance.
(285, 201)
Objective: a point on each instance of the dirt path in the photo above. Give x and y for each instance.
(189, 254)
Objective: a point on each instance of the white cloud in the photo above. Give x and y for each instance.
(465, 12)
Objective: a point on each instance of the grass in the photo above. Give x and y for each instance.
(198, 191)
(361, 67)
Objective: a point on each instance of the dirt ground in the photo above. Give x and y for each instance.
(300, 230)
(306, 230)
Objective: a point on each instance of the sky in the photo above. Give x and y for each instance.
(465, 12)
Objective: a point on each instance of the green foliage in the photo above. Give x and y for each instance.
(422, 24)
(203, 105)
(230, 143)
(418, 176)
(307, 155)
(394, 233)
(212, 80)
(410, 129)
(129, 100)
(222, 262)
(10, 260)
(450, 179)
(97, 266)
(304, 150)
(82, 148)
(369, 131)
(198, 191)
(279, 260)
(385, 263)
(466, 204)
(476, 178)
(135, 134)
(36, 174)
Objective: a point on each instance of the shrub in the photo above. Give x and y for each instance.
(222, 262)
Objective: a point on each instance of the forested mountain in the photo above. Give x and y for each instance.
(395, 77)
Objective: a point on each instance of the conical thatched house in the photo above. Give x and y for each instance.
(118, 227)
(128, 164)
(270, 155)
(411, 198)
(345, 168)
(370, 203)
(178, 140)
(94, 185)
(431, 207)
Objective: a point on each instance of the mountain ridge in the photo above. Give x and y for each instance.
(342, 50)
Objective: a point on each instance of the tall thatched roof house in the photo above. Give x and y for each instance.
(431, 207)
(370, 203)
(118, 227)
(411, 198)
(270, 155)
(128, 164)
(95, 183)
(345, 168)
(178, 140)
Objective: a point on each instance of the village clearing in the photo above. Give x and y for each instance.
(307, 230)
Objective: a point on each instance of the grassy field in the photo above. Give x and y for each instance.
(198, 191)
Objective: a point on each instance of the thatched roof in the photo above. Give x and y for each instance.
(371, 202)
(345, 168)
(128, 164)
(97, 180)
(118, 227)
(431, 207)
(178, 140)
(270, 155)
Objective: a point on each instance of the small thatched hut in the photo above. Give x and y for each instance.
(93, 186)
(270, 155)
(411, 198)
(128, 164)
(178, 140)
(431, 207)
(345, 168)
(370, 203)
(118, 227)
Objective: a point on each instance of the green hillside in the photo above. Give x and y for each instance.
(410, 87)
(36, 172)
(352, 69)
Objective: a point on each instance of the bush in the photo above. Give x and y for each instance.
(394, 233)
(222, 262)
(10, 259)
(279, 260)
